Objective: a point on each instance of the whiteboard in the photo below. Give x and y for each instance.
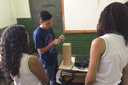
(81, 16)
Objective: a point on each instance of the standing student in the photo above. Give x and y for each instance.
(16, 58)
(109, 52)
(45, 40)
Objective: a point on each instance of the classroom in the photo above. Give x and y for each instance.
(25, 12)
(22, 15)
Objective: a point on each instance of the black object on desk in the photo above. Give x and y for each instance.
(82, 61)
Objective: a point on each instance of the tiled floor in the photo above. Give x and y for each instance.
(60, 56)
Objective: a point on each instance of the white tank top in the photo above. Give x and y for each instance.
(113, 60)
(26, 76)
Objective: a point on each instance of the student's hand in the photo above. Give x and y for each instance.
(56, 41)
(61, 37)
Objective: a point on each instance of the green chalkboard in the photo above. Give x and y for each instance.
(53, 6)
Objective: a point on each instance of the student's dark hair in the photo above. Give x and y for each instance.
(114, 18)
(126, 3)
(14, 42)
(44, 15)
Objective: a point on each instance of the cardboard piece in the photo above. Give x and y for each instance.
(67, 53)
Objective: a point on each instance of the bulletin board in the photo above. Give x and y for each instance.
(81, 16)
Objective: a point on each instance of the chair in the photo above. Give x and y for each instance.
(11, 80)
(2, 76)
(1, 73)
(70, 77)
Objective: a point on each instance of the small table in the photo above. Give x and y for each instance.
(72, 66)
(79, 77)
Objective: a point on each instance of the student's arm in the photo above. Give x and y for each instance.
(36, 67)
(46, 48)
(125, 75)
(97, 49)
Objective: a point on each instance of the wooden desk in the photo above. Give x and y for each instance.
(72, 66)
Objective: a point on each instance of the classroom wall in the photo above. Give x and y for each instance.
(52, 6)
(24, 17)
(16, 12)
(7, 13)
(10, 10)
(80, 43)
(22, 8)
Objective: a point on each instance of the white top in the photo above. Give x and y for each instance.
(26, 76)
(0, 57)
(113, 60)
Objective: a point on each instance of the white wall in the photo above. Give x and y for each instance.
(22, 8)
(10, 10)
(7, 13)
